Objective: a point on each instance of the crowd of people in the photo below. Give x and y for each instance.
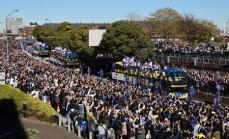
(108, 109)
(2, 62)
(203, 80)
(143, 65)
(206, 80)
(201, 49)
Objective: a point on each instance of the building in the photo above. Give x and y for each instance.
(27, 31)
(95, 36)
(13, 25)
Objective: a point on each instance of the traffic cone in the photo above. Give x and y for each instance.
(50, 103)
(58, 108)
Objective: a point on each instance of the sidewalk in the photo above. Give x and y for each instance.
(48, 131)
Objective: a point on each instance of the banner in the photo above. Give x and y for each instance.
(2, 78)
(118, 76)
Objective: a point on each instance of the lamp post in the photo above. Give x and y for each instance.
(50, 22)
(7, 45)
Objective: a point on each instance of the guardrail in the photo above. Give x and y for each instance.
(201, 61)
(69, 124)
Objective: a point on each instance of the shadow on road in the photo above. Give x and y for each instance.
(10, 125)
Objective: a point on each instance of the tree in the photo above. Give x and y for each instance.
(166, 21)
(83, 33)
(197, 30)
(65, 36)
(64, 27)
(133, 16)
(79, 41)
(41, 32)
(125, 38)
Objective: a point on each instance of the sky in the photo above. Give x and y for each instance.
(107, 11)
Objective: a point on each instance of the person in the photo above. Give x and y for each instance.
(141, 132)
(226, 126)
(101, 130)
(191, 93)
(124, 130)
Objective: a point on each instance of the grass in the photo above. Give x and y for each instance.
(31, 133)
(34, 108)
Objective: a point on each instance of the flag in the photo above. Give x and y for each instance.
(81, 68)
(101, 73)
(191, 91)
(88, 71)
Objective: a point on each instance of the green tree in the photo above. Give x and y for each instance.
(42, 32)
(64, 27)
(83, 32)
(75, 39)
(125, 38)
(79, 41)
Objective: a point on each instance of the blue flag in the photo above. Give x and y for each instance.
(88, 71)
(191, 91)
(101, 73)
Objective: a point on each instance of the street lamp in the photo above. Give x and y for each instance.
(50, 22)
(14, 11)
(7, 45)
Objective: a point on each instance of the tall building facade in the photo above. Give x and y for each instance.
(13, 25)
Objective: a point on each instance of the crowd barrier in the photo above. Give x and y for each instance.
(194, 60)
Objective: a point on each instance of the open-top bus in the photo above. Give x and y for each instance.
(165, 80)
(64, 58)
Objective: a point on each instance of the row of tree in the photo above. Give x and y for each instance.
(171, 24)
(76, 39)
(131, 37)
(121, 38)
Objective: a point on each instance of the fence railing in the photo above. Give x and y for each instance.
(201, 61)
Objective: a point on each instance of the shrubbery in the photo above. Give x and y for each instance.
(34, 108)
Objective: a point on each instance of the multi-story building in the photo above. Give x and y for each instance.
(13, 25)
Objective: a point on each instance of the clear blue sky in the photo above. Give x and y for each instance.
(109, 10)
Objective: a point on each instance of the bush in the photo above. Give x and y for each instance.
(34, 108)
(30, 132)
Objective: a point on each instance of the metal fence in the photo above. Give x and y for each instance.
(216, 63)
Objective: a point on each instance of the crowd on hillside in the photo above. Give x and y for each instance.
(112, 110)
(202, 49)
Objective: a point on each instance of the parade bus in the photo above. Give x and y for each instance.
(64, 58)
(165, 80)
(41, 49)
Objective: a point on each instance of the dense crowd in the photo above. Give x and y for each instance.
(207, 80)
(112, 110)
(2, 43)
(203, 80)
(212, 49)
(148, 64)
